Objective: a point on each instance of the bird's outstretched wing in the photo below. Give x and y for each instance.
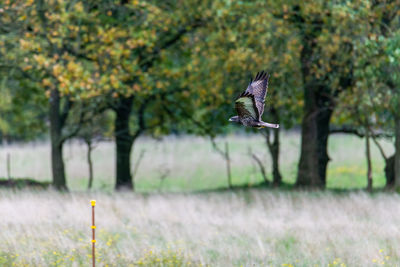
(245, 106)
(258, 87)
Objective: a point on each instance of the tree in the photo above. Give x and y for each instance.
(95, 126)
(324, 31)
(21, 108)
(47, 38)
(240, 39)
(124, 51)
(377, 86)
(357, 108)
(390, 36)
(140, 60)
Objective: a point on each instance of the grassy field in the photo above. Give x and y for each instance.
(190, 163)
(242, 228)
(168, 223)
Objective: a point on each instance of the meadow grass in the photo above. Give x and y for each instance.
(165, 223)
(240, 228)
(191, 164)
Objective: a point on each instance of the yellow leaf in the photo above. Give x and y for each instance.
(136, 87)
(46, 82)
(71, 66)
(114, 81)
(79, 7)
(39, 59)
(24, 44)
(28, 67)
(56, 70)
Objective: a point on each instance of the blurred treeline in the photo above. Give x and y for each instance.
(122, 69)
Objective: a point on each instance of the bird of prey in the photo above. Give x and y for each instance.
(250, 104)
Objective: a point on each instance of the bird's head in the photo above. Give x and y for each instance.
(234, 119)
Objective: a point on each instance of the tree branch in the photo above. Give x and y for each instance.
(82, 120)
(347, 130)
(64, 113)
(148, 62)
(136, 168)
(260, 165)
(377, 143)
(75, 131)
(219, 150)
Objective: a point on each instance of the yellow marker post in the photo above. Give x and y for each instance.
(93, 202)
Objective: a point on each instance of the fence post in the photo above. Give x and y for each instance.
(93, 202)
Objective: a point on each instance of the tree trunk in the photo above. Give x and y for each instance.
(323, 121)
(228, 165)
(124, 143)
(318, 108)
(397, 154)
(369, 165)
(8, 167)
(308, 170)
(56, 123)
(273, 148)
(314, 139)
(90, 163)
(308, 174)
(389, 172)
(277, 177)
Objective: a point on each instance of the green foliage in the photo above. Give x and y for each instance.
(192, 63)
(184, 62)
(22, 108)
(90, 48)
(374, 97)
(239, 40)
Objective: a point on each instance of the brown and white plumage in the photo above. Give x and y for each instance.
(244, 106)
(258, 87)
(250, 104)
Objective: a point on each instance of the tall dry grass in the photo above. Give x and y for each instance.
(245, 228)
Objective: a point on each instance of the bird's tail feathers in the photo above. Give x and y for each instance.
(269, 125)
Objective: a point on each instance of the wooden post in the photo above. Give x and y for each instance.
(93, 202)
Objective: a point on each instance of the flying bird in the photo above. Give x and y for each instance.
(250, 104)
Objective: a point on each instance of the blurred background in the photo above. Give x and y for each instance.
(118, 94)
(135, 95)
